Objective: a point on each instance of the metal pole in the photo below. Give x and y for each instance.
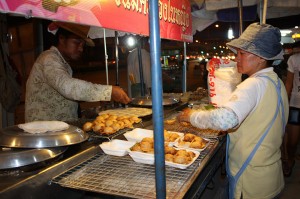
(157, 108)
(117, 57)
(264, 12)
(240, 6)
(141, 72)
(106, 56)
(184, 69)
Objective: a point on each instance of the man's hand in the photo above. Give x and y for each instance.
(118, 95)
(184, 116)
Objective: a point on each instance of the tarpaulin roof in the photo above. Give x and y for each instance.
(206, 12)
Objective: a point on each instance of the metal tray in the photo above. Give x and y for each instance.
(14, 137)
(14, 158)
(147, 101)
(124, 178)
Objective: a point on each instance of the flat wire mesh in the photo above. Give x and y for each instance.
(121, 176)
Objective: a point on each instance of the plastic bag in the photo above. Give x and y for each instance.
(222, 80)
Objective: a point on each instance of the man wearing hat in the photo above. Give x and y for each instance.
(254, 117)
(51, 91)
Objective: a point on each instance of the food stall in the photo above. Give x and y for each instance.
(82, 168)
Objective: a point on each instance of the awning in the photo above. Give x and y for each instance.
(125, 16)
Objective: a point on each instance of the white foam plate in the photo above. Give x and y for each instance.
(137, 134)
(176, 144)
(142, 157)
(148, 158)
(184, 166)
(116, 147)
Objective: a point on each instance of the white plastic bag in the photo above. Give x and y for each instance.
(223, 78)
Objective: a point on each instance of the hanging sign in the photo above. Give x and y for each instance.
(123, 15)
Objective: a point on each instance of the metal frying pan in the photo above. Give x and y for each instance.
(14, 137)
(14, 158)
(147, 101)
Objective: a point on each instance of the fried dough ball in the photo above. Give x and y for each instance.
(169, 157)
(171, 121)
(122, 124)
(151, 151)
(197, 138)
(136, 147)
(108, 130)
(182, 152)
(191, 154)
(109, 122)
(116, 126)
(170, 150)
(173, 137)
(180, 159)
(189, 137)
(196, 145)
(112, 117)
(135, 119)
(121, 118)
(127, 123)
(87, 126)
(100, 118)
(148, 139)
(98, 127)
(146, 146)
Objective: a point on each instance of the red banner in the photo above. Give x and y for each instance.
(124, 15)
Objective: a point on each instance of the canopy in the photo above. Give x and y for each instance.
(206, 12)
(122, 15)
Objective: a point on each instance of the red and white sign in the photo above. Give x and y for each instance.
(123, 15)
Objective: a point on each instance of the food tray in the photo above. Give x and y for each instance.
(116, 147)
(137, 134)
(94, 135)
(148, 158)
(188, 128)
(131, 111)
(122, 177)
(176, 144)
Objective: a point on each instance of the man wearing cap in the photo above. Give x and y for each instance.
(51, 91)
(292, 85)
(254, 117)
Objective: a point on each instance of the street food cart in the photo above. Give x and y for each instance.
(56, 168)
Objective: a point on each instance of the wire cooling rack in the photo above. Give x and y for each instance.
(121, 176)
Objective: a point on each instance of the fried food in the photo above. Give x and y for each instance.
(170, 121)
(188, 137)
(180, 159)
(116, 123)
(192, 141)
(148, 139)
(170, 150)
(169, 157)
(136, 147)
(146, 146)
(88, 126)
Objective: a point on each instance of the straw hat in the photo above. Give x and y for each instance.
(77, 29)
(262, 40)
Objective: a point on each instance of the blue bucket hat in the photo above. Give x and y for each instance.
(262, 40)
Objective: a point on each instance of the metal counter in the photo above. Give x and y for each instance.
(109, 176)
(121, 176)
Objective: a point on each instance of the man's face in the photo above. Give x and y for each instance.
(71, 47)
